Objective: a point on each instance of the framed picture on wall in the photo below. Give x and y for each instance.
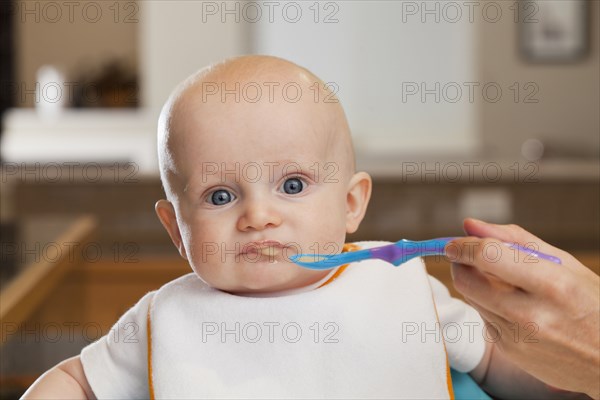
(553, 30)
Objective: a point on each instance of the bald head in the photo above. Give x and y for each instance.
(248, 92)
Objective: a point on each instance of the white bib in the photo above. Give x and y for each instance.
(353, 338)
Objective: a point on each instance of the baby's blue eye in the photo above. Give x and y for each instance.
(293, 186)
(221, 197)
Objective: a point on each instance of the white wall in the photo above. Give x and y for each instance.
(176, 39)
(375, 52)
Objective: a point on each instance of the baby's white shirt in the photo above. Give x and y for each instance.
(117, 365)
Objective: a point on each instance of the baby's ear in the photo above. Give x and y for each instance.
(357, 199)
(168, 218)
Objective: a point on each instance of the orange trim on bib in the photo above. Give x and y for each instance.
(448, 374)
(347, 247)
(149, 340)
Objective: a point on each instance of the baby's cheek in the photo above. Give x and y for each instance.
(206, 263)
(329, 239)
(206, 230)
(331, 219)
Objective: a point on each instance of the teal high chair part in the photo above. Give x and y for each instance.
(465, 388)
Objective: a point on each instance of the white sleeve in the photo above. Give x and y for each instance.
(462, 328)
(116, 365)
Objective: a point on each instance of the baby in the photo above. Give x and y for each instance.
(257, 164)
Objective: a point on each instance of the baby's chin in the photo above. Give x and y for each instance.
(263, 277)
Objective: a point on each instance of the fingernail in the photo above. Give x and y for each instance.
(478, 221)
(451, 251)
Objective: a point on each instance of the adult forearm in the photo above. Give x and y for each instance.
(505, 380)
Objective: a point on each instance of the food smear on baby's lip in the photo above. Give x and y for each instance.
(310, 258)
(270, 251)
(263, 250)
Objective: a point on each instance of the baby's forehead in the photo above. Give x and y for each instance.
(222, 108)
(241, 144)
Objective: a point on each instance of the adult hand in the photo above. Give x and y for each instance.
(544, 316)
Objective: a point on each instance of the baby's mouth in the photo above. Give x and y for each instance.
(271, 251)
(270, 254)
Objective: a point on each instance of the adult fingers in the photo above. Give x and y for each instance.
(487, 291)
(511, 265)
(513, 234)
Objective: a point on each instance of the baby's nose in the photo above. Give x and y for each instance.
(258, 214)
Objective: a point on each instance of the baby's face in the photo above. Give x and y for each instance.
(257, 183)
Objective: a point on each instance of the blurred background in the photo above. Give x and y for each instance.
(487, 109)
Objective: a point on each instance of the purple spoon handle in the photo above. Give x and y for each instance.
(534, 253)
(404, 250)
